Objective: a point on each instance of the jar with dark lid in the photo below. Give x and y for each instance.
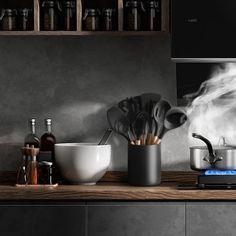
(91, 19)
(8, 19)
(69, 15)
(108, 19)
(25, 19)
(46, 173)
(50, 15)
(134, 11)
(153, 16)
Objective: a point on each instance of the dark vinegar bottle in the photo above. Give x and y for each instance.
(32, 138)
(48, 141)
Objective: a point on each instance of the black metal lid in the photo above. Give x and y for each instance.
(108, 12)
(52, 4)
(45, 163)
(153, 4)
(25, 11)
(69, 4)
(48, 4)
(132, 4)
(92, 12)
(8, 12)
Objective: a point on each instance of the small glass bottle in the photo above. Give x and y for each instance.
(48, 140)
(32, 138)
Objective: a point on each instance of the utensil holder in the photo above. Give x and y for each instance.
(144, 165)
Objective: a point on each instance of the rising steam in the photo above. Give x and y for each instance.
(213, 113)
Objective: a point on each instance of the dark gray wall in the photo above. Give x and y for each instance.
(74, 80)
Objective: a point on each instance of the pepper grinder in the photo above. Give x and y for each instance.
(32, 165)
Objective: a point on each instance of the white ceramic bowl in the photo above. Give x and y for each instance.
(82, 163)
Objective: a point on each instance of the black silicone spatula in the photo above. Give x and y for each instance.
(159, 113)
(119, 123)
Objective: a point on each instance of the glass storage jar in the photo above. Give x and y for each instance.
(108, 19)
(69, 15)
(50, 15)
(91, 19)
(153, 16)
(134, 11)
(8, 19)
(25, 19)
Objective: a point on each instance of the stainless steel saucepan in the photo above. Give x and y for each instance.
(221, 157)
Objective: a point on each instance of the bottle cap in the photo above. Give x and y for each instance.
(33, 121)
(48, 121)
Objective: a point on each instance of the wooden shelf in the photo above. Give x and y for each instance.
(36, 5)
(80, 33)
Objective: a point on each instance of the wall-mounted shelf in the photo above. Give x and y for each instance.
(35, 4)
(79, 33)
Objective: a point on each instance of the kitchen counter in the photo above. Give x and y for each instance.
(114, 187)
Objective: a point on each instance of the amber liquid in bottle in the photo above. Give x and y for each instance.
(32, 138)
(48, 140)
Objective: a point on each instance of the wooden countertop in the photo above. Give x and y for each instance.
(114, 187)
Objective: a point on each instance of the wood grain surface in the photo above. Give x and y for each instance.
(112, 191)
(112, 188)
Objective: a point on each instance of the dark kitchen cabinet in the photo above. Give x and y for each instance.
(39, 220)
(136, 219)
(211, 219)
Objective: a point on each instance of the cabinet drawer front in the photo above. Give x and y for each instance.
(136, 219)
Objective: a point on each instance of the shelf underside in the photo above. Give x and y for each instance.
(80, 33)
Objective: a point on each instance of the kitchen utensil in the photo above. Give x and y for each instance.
(141, 127)
(225, 154)
(119, 123)
(148, 100)
(174, 118)
(130, 107)
(83, 163)
(105, 137)
(159, 112)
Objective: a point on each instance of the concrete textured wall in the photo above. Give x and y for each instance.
(74, 80)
